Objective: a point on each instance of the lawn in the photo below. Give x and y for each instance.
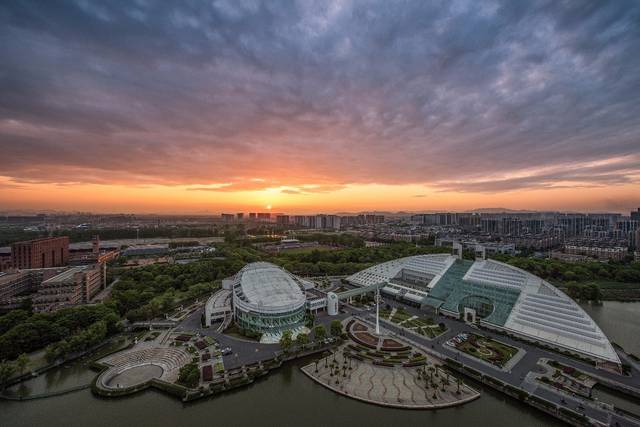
(421, 325)
(487, 349)
(302, 251)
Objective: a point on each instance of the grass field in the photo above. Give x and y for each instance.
(487, 349)
(421, 325)
(299, 251)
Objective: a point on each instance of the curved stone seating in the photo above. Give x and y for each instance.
(167, 358)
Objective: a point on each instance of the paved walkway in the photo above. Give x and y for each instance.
(396, 387)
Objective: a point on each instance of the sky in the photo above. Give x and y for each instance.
(319, 106)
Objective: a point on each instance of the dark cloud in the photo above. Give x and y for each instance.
(448, 94)
(623, 171)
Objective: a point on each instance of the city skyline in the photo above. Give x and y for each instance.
(319, 107)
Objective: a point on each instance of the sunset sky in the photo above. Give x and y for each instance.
(323, 106)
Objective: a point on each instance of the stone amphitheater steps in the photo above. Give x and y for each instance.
(170, 359)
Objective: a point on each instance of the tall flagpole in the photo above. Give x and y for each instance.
(378, 311)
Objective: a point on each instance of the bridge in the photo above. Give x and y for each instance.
(154, 324)
(347, 295)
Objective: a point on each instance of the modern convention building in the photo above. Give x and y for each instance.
(495, 295)
(267, 299)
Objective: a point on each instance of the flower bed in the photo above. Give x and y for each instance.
(359, 327)
(389, 344)
(366, 339)
(207, 373)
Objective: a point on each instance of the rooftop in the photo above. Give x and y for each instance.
(263, 284)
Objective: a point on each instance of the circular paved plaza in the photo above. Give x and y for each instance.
(410, 388)
(134, 376)
(380, 373)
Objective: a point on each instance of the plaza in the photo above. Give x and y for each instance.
(384, 371)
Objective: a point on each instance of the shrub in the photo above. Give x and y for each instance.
(189, 375)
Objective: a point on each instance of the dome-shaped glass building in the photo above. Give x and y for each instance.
(267, 299)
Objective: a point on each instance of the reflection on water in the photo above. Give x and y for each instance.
(616, 398)
(620, 321)
(68, 376)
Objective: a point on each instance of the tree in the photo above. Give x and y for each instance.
(7, 369)
(286, 340)
(336, 328)
(189, 375)
(22, 362)
(592, 293)
(573, 290)
(311, 320)
(302, 339)
(320, 332)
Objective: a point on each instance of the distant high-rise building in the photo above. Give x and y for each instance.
(282, 219)
(490, 225)
(252, 216)
(264, 216)
(534, 226)
(635, 215)
(333, 221)
(228, 217)
(240, 216)
(511, 226)
(573, 224)
(40, 253)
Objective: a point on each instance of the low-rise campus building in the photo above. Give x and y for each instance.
(19, 286)
(74, 286)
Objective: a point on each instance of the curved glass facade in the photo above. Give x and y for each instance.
(270, 322)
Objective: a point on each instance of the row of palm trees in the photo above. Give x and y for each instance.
(430, 372)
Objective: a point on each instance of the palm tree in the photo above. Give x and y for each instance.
(458, 380)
